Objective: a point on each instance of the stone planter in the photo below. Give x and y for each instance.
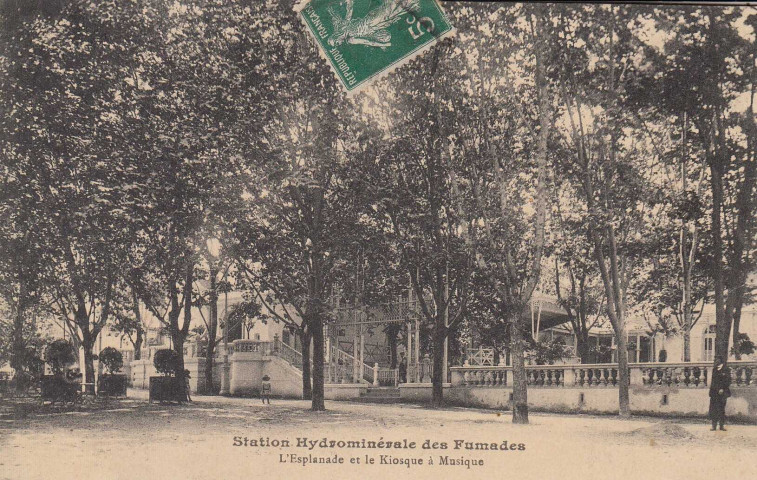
(55, 388)
(166, 389)
(113, 385)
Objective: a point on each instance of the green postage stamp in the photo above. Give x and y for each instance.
(364, 39)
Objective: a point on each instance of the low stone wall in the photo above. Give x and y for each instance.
(286, 381)
(140, 372)
(662, 400)
(347, 391)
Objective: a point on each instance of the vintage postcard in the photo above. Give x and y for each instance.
(421, 239)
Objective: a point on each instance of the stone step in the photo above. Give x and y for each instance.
(387, 400)
(385, 392)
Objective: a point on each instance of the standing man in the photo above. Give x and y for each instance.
(719, 392)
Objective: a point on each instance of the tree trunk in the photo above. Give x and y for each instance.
(139, 336)
(517, 357)
(736, 322)
(179, 335)
(688, 317)
(212, 330)
(582, 345)
(178, 347)
(307, 389)
(437, 385)
(138, 344)
(624, 404)
(18, 351)
(88, 343)
(722, 324)
(317, 403)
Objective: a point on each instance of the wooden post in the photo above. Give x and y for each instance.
(362, 353)
(417, 349)
(375, 375)
(355, 366)
(409, 352)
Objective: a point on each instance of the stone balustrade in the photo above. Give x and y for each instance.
(686, 375)
(252, 346)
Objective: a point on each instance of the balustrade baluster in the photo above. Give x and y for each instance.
(687, 376)
(549, 378)
(748, 375)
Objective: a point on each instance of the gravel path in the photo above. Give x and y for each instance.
(132, 439)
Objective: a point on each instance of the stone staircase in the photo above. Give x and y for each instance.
(380, 395)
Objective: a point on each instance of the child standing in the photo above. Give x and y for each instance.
(265, 390)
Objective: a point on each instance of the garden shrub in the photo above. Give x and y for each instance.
(58, 354)
(111, 359)
(166, 361)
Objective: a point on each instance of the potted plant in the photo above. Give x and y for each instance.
(111, 383)
(64, 384)
(167, 388)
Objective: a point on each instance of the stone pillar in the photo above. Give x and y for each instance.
(426, 378)
(375, 375)
(225, 375)
(637, 376)
(569, 377)
(457, 378)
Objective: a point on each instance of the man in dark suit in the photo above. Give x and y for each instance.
(719, 392)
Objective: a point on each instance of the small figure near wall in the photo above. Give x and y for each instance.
(403, 368)
(719, 393)
(265, 390)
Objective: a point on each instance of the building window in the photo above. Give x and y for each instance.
(709, 343)
(257, 336)
(646, 349)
